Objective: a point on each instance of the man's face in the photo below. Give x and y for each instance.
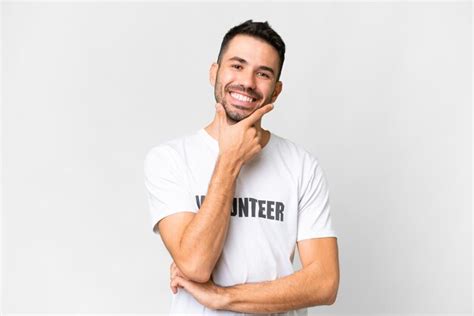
(246, 77)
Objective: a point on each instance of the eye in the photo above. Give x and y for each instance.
(264, 74)
(236, 66)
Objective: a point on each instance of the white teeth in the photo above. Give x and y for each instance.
(241, 97)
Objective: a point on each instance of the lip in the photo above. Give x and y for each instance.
(243, 104)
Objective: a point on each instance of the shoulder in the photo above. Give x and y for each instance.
(294, 150)
(169, 150)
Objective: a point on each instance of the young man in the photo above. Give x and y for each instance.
(231, 201)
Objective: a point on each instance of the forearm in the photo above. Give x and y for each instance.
(205, 235)
(304, 288)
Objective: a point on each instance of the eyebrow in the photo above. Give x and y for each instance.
(243, 61)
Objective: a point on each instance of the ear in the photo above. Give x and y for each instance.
(276, 92)
(213, 74)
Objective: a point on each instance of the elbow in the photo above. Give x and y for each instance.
(333, 293)
(332, 300)
(196, 273)
(200, 276)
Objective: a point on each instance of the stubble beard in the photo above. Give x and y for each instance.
(219, 95)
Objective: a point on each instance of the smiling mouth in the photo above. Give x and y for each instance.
(242, 101)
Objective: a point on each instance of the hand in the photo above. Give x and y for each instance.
(174, 272)
(241, 140)
(208, 294)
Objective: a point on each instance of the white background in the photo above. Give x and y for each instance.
(379, 92)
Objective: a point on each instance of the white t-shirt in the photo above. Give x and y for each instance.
(281, 197)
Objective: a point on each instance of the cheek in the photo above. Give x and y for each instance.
(229, 78)
(267, 92)
(225, 76)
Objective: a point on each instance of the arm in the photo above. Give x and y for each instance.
(315, 284)
(200, 245)
(195, 241)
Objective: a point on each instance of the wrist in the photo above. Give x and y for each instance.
(229, 163)
(225, 300)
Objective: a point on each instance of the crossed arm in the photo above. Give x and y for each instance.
(203, 236)
(315, 284)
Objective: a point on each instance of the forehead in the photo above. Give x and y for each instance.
(253, 50)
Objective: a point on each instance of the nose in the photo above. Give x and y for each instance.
(248, 81)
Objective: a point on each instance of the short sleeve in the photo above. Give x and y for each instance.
(314, 216)
(166, 184)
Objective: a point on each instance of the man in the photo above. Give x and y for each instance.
(231, 201)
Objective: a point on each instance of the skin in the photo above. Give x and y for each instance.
(245, 77)
(317, 282)
(195, 240)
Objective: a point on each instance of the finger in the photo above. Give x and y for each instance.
(174, 282)
(256, 115)
(174, 289)
(178, 282)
